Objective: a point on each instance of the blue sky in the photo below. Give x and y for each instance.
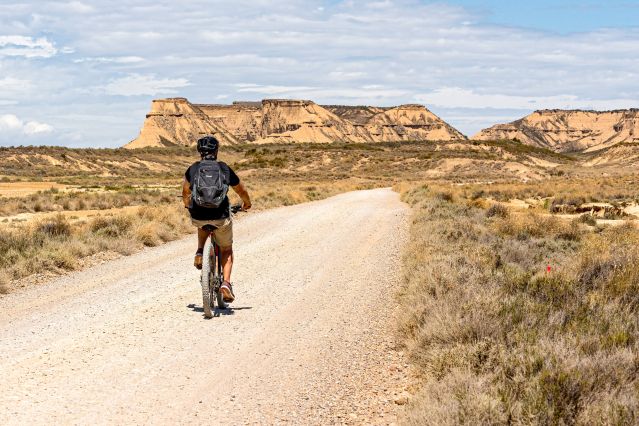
(561, 16)
(83, 73)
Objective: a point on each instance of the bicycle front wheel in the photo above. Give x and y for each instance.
(205, 280)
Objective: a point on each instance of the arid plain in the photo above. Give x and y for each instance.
(516, 299)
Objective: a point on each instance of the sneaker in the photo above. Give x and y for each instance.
(197, 262)
(227, 292)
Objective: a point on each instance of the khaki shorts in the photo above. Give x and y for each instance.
(223, 235)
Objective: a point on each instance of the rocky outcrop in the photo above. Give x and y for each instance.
(176, 121)
(621, 155)
(411, 122)
(243, 120)
(569, 130)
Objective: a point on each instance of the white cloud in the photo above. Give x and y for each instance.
(76, 7)
(385, 52)
(115, 60)
(272, 89)
(33, 128)
(347, 75)
(455, 97)
(16, 45)
(11, 123)
(12, 84)
(367, 92)
(137, 84)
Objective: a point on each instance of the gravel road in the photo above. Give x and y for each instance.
(308, 341)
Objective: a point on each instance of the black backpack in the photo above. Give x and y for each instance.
(209, 184)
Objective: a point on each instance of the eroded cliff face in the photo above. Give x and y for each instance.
(242, 120)
(176, 121)
(569, 130)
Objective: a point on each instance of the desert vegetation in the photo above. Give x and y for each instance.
(117, 182)
(87, 198)
(397, 160)
(54, 245)
(567, 189)
(511, 315)
(518, 318)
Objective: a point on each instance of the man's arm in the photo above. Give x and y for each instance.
(186, 193)
(244, 195)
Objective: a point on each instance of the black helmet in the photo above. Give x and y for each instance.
(208, 145)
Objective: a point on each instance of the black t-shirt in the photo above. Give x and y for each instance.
(222, 212)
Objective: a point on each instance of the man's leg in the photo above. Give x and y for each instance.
(202, 235)
(201, 240)
(227, 266)
(224, 238)
(227, 262)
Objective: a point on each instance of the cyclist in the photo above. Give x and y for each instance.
(219, 217)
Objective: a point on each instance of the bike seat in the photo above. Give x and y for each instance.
(209, 228)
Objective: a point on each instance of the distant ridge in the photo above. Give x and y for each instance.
(176, 121)
(569, 130)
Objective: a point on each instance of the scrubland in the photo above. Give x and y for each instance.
(108, 182)
(55, 245)
(510, 316)
(56, 230)
(518, 318)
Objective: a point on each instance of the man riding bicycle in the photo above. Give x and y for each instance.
(204, 191)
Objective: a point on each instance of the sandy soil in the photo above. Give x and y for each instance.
(22, 219)
(520, 205)
(23, 189)
(308, 341)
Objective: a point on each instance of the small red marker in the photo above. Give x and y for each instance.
(548, 268)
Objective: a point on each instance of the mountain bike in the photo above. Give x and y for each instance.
(212, 277)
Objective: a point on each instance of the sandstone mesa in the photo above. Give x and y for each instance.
(176, 121)
(569, 130)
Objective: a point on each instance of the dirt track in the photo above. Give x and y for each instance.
(309, 339)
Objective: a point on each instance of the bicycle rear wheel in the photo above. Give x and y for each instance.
(206, 280)
(217, 278)
(220, 301)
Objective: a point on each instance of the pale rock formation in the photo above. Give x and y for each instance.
(243, 120)
(411, 122)
(177, 122)
(569, 130)
(621, 155)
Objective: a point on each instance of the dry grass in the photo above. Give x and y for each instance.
(388, 161)
(497, 336)
(54, 245)
(94, 198)
(564, 190)
(501, 339)
(5, 281)
(60, 246)
(278, 174)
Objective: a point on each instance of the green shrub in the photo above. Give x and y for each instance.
(111, 226)
(497, 210)
(526, 319)
(58, 226)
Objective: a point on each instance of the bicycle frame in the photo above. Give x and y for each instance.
(212, 272)
(216, 265)
(212, 277)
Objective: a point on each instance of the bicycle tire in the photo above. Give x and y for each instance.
(220, 301)
(217, 279)
(205, 280)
